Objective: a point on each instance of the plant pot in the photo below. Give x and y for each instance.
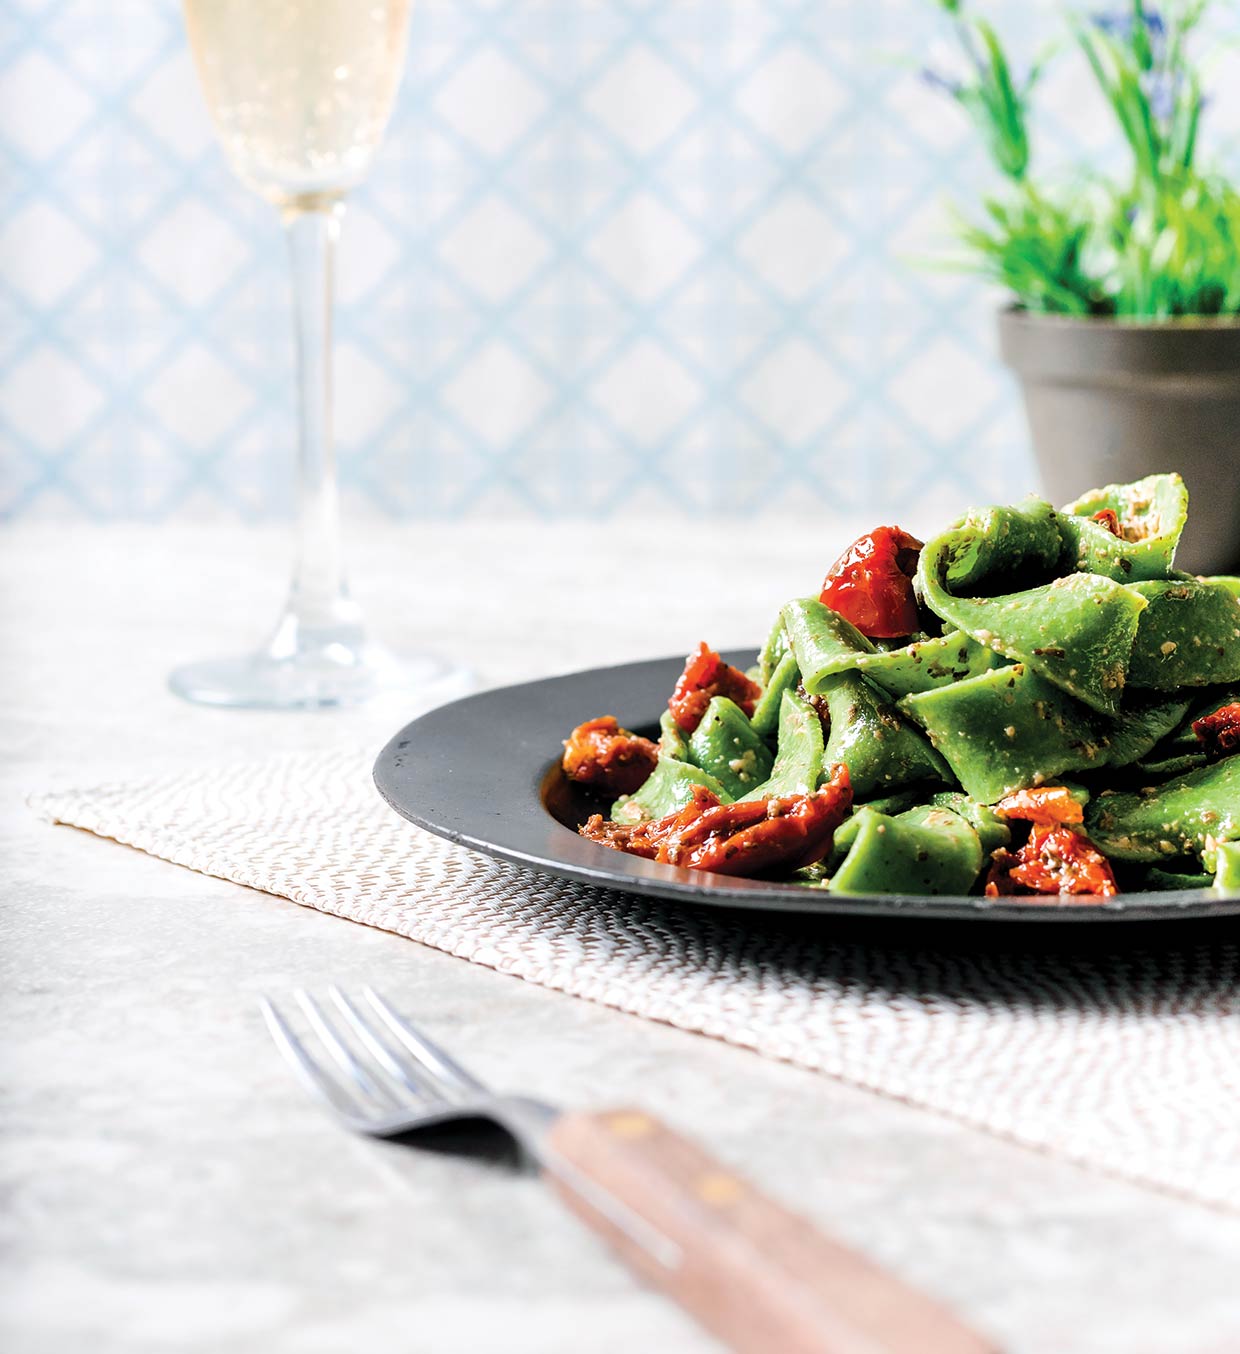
(1109, 402)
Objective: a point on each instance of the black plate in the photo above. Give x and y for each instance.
(484, 771)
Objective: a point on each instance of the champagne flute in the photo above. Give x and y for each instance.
(300, 92)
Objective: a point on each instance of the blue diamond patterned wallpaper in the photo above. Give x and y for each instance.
(615, 256)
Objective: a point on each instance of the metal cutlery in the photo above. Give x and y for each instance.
(757, 1275)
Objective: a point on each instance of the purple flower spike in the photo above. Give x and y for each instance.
(1162, 100)
(941, 82)
(1118, 25)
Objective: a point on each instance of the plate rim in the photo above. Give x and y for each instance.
(646, 879)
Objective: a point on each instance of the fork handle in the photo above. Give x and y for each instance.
(757, 1275)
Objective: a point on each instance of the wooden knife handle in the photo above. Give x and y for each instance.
(758, 1276)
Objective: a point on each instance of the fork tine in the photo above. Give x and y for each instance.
(396, 1066)
(433, 1058)
(378, 1089)
(318, 1082)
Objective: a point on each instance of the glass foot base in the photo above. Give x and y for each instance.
(333, 676)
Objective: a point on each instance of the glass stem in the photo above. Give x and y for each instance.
(319, 610)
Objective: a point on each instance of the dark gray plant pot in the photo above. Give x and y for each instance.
(1109, 402)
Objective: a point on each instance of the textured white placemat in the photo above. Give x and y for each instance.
(1121, 1055)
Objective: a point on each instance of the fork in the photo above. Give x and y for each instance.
(758, 1276)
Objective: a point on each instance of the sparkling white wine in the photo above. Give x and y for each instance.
(300, 90)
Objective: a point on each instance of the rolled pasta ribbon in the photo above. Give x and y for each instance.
(1008, 729)
(883, 751)
(767, 711)
(727, 746)
(1226, 867)
(1076, 631)
(925, 850)
(992, 831)
(1151, 511)
(773, 651)
(1188, 635)
(1186, 816)
(825, 644)
(1165, 768)
(890, 806)
(669, 787)
(799, 763)
(1147, 719)
(1158, 880)
(997, 543)
(927, 663)
(908, 798)
(672, 741)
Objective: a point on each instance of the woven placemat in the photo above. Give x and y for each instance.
(1117, 1048)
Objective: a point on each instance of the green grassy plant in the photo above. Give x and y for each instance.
(1159, 243)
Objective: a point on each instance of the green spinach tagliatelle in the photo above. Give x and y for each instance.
(1058, 647)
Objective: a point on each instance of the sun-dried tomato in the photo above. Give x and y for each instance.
(1053, 860)
(1109, 518)
(751, 838)
(603, 756)
(871, 584)
(998, 881)
(645, 839)
(706, 675)
(1219, 733)
(1049, 805)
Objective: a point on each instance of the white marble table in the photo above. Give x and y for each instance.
(167, 1188)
